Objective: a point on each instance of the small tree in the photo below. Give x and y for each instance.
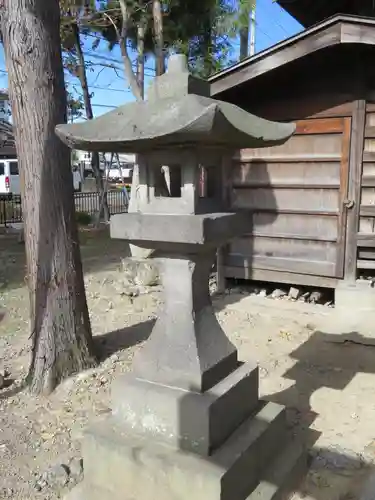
(60, 326)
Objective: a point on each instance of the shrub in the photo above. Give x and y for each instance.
(83, 218)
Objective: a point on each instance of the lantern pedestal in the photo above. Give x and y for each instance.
(188, 420)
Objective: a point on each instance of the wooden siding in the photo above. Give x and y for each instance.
(296, 194)
(366, 229)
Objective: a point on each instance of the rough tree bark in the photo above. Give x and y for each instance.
(159, 38)
(95, 162)
(60, 326)
(141, 55)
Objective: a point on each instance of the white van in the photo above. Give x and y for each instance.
(116, 173)
(9, 177)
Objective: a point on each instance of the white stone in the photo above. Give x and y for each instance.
(294, 293)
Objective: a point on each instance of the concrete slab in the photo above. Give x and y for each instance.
(358, 296)
(349, 325)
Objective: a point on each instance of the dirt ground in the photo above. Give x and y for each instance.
(328, 387)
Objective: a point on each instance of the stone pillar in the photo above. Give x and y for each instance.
(187, 348)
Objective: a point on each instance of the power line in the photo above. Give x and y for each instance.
(103, 106)
(117, 61)
(90, 54)
(264, 33)
(276, 23)
(98, 87)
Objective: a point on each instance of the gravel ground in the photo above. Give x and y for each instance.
(328, 387)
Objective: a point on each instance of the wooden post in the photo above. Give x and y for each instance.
(343, 196)
(354, 189)
(226, 196)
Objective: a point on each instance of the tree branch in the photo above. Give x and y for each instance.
(122, 37)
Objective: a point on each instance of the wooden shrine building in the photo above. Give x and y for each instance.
(312, 199)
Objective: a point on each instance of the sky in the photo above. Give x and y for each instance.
(109, 86)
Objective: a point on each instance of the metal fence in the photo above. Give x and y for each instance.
(89, 203)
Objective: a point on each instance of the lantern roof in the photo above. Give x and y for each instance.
(178, 112)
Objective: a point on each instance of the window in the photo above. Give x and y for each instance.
(170, 186)
(13, 168)
(2, 168)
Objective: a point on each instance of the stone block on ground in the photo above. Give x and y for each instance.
(57, 476)
(4, 374)
(141, 272)
(294, 293)
(278, 293)
(316, 297)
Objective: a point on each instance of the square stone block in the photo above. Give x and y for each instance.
(193, 421)
(123, 467)
(151, 230)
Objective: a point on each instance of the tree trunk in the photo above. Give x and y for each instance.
(60, 327)
(122, 41)
(141, 56)
(159, 38)
(95, 162)
(244, 42)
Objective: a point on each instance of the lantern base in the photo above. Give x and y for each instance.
(257, 461)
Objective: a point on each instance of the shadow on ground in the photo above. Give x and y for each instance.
(326, 360)
(124, 338)
(98, 252)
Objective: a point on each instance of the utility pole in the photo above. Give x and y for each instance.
(252, 31)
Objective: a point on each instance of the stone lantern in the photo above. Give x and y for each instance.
(187, 422)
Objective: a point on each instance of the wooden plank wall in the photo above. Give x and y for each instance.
(295, 193)
(366, 230)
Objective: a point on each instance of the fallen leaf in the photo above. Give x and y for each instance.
(285, 335)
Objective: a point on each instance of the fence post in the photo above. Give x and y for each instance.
(4, 211)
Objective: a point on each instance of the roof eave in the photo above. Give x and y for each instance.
(337, 30)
